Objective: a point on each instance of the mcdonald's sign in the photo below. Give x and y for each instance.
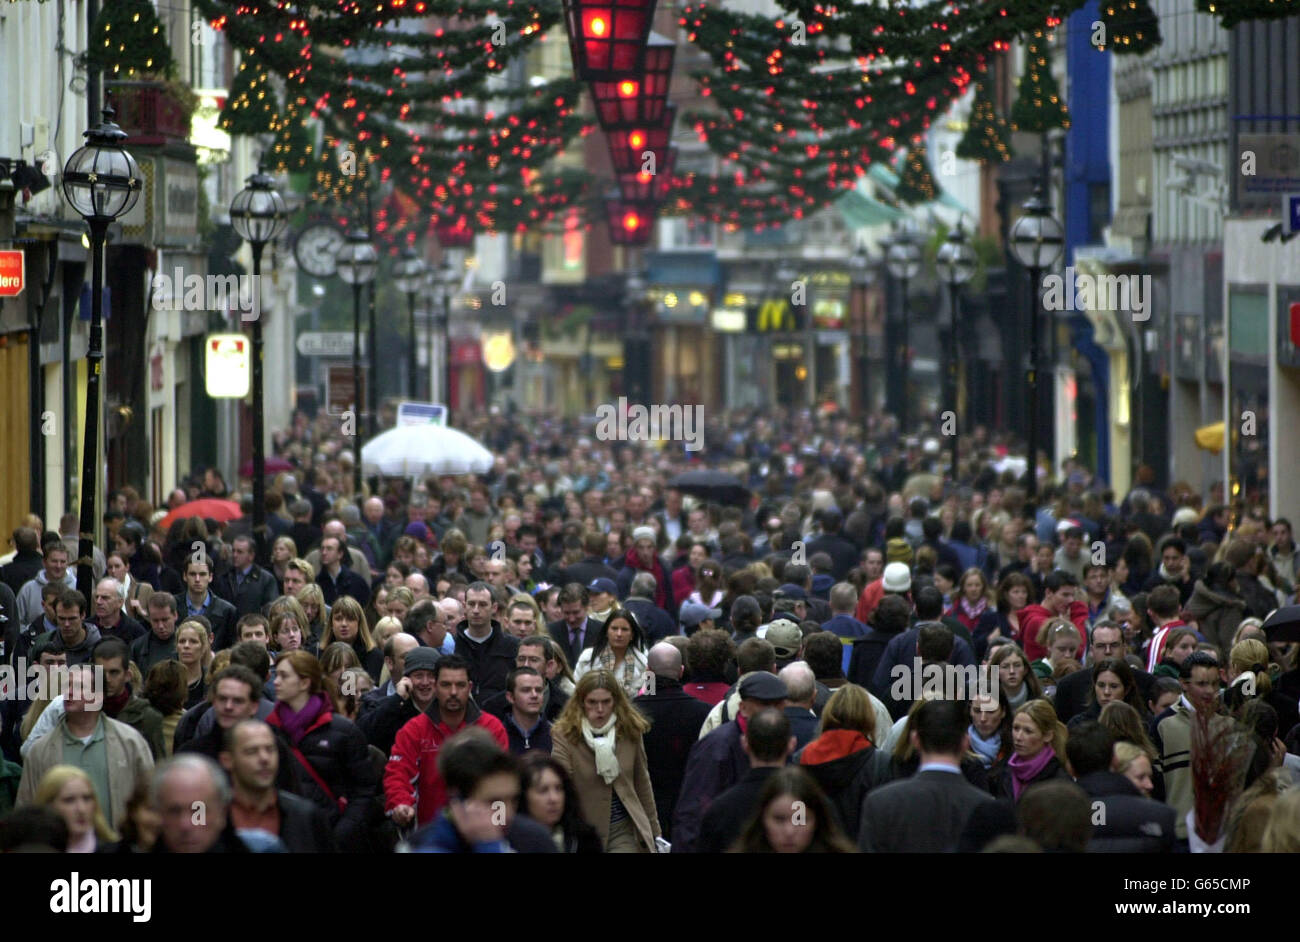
(775, 315)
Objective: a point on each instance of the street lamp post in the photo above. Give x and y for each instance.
(448, 276)
(955, 264)
(1036, 240)
(904, 262)
(258, 215)
(635, 352)
(784, 275)
(410, 273)
(357, 261)
(102, 182)
(860, 277)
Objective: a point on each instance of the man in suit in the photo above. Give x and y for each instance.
(768, 742)
(574, 632)
(926, 813)
(675, 721)
(198, 599)
(245, 585)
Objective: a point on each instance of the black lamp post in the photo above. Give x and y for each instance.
(357, 261)
(409, 278)
(955, 264)
(904, 262)
(860, 277)
(102, 182)
(1037, 240)
(443, 280)
(258, 215)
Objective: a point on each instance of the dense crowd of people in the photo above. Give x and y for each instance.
(573, 653)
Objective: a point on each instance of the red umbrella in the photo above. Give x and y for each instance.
(214, 507)
(273, 466)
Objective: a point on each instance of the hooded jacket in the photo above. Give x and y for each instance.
(80, 653)
(411, 776)
(663, 585)
(1032, 618)
(842, 763)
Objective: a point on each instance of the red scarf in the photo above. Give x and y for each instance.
(833, 744)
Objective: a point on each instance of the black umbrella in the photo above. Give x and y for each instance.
(1283, 626)
(717, 486)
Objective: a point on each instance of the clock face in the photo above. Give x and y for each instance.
(317, 248)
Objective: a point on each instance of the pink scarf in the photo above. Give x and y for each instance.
(973, 612)
(1024, 770)
(296, 724)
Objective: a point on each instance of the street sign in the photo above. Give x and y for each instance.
(334, 343)
(421, 413)
(228, 365)
(340, 389)
(1291, 213)
(11, 273)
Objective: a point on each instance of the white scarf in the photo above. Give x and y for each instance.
(606, 762)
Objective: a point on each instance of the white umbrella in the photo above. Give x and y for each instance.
(424, 449)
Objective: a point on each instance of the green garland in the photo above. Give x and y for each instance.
(1038, 106)
(915, 182)
(1232, 12)
(1132, 27)
(986, 133)
(127, 41)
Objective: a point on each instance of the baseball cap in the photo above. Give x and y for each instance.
(898, 578)
(785, 637)
(692, 613)
(762, 685)
(603, 585)
(791, 591)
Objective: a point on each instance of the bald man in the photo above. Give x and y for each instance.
(419, 586)
(676, 718)
(802, 684)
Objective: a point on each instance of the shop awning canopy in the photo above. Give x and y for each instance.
(860, 211)
(884, 175)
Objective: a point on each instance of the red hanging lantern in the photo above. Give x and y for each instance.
(630, 223)
(638, 99)
(629, 147)
(608, 37)
(454, 235)
(642, 186)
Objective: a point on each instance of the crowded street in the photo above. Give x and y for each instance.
(650, 427)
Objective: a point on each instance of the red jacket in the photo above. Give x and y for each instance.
(711, 693)
(871, 595)
(1032, 618)
(411, 776)
(683, 580)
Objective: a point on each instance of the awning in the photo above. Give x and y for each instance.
(862, 212)
(884, 175)
(687, 269)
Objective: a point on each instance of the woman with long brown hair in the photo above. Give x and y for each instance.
(333, 758)
(597, 739)
(793, 817)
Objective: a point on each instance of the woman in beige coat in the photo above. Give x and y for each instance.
(597, 739)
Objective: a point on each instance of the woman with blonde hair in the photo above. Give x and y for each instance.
(1282, 833)
(282, 550)
(597, 740)
(1134, 763)
(347, 623)
(1038, 751)
(400, 601)
(68, 791)
(195, 654)
(312, 600)
(842, 758)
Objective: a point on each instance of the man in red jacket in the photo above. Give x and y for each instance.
(413, 789)
(1058, 602)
